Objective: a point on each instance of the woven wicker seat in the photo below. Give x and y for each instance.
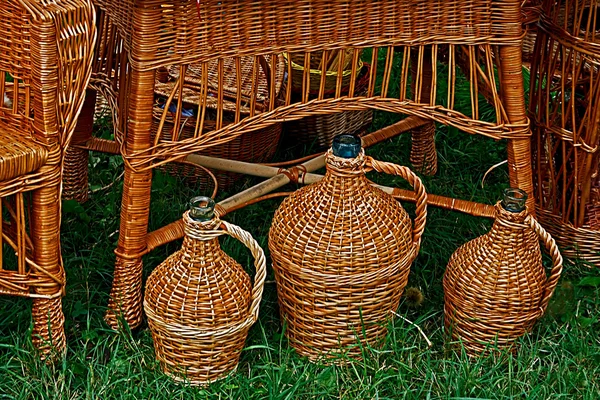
(45, 65)
(19, 155)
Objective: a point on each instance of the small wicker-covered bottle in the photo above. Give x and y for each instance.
(495, 286)
(341, 251)
(200, 302)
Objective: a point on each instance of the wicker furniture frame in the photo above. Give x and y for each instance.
(565, 115)
(152, 35)
(45, 66)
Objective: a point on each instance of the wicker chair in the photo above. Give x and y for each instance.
(154, 34)
(45, 64)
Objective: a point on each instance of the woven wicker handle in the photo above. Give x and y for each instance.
(557, 260)
(415, 182)
(260, 263)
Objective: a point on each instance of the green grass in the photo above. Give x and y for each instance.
(559, 359)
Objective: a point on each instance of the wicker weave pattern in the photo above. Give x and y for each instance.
(45, 64)
(19, 155)
(320, 69)
(248, 76)
(200, 303)
(229, 27)
(109, 70)
(575, 243)
(565, 118)
(319, 130)
(188, 36)
(423, 155)
(341, 254)
(257, 146)
(495, 286)
(181, 34)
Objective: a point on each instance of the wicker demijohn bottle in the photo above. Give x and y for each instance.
(341, 252)
(200, 302)
(495, 286)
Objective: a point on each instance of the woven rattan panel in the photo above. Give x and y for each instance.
(181, 31)
(15, 44)
(19, 155)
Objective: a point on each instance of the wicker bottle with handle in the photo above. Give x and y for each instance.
(495, 286)
(341, 252)
(200, 302)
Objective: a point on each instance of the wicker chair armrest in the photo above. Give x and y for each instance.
(74, 22)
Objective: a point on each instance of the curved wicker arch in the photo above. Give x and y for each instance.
(171, 150)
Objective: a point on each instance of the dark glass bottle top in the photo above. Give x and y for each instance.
(514, 200)
(202, 208)
(346, 146)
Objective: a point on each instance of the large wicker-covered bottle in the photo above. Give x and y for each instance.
(200, 302)
(495, 286)
(341, 252)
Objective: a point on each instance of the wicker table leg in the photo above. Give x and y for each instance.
(423, 154)
(75, 173)
(519, 150)
(126, 293)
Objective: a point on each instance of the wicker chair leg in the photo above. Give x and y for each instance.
(75, 173)
(423, 154)
(48, 334)
(48, 319)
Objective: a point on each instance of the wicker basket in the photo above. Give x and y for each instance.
(341, 252)
(256, 146)
(319, 130)
(340, 60)
(582, 243)
(495, 286)
(200, 302)
(563, 109)
(531, 14)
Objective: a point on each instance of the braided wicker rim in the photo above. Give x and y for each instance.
(418, 187)
(317, 74)
(557, 260)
